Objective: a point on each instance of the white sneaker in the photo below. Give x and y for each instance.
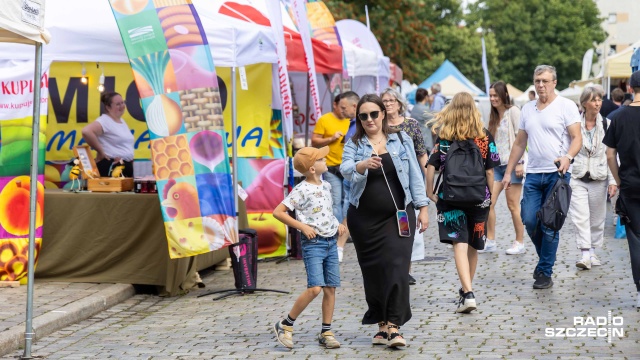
(516, 248)
(595, 261)
(340, 253)
(489, 246)
(584, 264)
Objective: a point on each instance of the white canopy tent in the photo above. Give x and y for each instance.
(356, 33)
(87, 31)
(23, 23)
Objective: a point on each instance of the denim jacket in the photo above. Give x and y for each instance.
(404, 160)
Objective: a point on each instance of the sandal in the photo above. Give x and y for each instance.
(381, 337)
(395, 338)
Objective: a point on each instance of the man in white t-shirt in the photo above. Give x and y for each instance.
(550, 126)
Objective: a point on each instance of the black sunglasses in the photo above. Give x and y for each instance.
(364, 116)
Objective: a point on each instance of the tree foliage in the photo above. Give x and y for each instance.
(419, 35)
(533, 32)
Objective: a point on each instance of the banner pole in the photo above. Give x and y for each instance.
(33, 190)
(306, 119)
(234, 145)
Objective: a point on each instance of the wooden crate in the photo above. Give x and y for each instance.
(105, 184)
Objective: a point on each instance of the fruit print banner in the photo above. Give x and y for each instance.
(174, 73)
(16, 127)
(73, 105)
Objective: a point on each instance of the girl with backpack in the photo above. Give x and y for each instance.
(465, 154)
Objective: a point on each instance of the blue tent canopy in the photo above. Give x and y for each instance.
(447, 73)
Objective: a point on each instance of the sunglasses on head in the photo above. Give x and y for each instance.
(364, 116)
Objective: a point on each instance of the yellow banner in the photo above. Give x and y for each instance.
(73, 105)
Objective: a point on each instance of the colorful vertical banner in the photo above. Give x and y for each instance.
(323, 27)
(16, 127)
(300, 14)
(174, 73)
(275, 18)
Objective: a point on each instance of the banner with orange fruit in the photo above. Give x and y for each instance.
(181, 101)
(16, 120)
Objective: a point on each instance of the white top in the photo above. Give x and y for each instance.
(313, 206)
(547, 132)
(117, 139)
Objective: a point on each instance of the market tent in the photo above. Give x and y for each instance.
(328, 58)
(18, 25)
(396, 74)
(356, 33)
(23, 23)
(451, 80)
(86, 31)
(572, 93)
(619, 65)
(513, 91)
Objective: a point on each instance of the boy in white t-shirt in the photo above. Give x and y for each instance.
(311, 199)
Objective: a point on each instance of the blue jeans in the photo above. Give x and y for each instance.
(536, 189)
(320, 256)
(336, 194)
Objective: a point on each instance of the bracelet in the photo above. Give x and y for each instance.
(521, 162)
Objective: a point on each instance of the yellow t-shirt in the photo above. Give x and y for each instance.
(327, 125)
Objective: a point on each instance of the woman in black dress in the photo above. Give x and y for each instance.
(385, 177)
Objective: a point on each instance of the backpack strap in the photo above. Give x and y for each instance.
(604, 124)
(400, 137)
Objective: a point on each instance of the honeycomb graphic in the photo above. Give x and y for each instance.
(201, 109)
(171, 157)
(14, 258)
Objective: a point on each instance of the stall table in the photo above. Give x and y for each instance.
(113, 238)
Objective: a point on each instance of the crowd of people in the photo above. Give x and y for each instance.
(372, 174)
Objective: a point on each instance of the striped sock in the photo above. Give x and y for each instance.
(288, 321)
(325, 327)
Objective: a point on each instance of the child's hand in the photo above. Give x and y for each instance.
(341, 229)
(308, 231)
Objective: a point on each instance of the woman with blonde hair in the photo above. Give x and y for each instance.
(461, 133)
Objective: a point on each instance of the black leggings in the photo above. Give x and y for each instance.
(104, 166)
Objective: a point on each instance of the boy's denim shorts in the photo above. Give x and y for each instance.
(320, 256)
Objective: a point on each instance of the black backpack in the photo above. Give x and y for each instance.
(465, 179)
(555, 208)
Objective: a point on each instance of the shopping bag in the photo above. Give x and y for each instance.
(621, 230)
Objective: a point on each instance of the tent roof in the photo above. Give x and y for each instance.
(455, 82)
(619, 65)
(87, 31)
(22, 25)
(357, 33)
(513, 91)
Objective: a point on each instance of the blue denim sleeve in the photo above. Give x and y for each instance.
(416, 181)
(348, 166)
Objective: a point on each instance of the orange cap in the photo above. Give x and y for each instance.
(307, 156)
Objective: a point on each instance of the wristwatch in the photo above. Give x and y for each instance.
(569, 157)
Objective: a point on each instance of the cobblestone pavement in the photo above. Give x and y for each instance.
(510, 322)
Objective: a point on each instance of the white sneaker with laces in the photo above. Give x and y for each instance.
(584, 264)
(595, 261)
(516, 248)
(340, 254)
(489, 246)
